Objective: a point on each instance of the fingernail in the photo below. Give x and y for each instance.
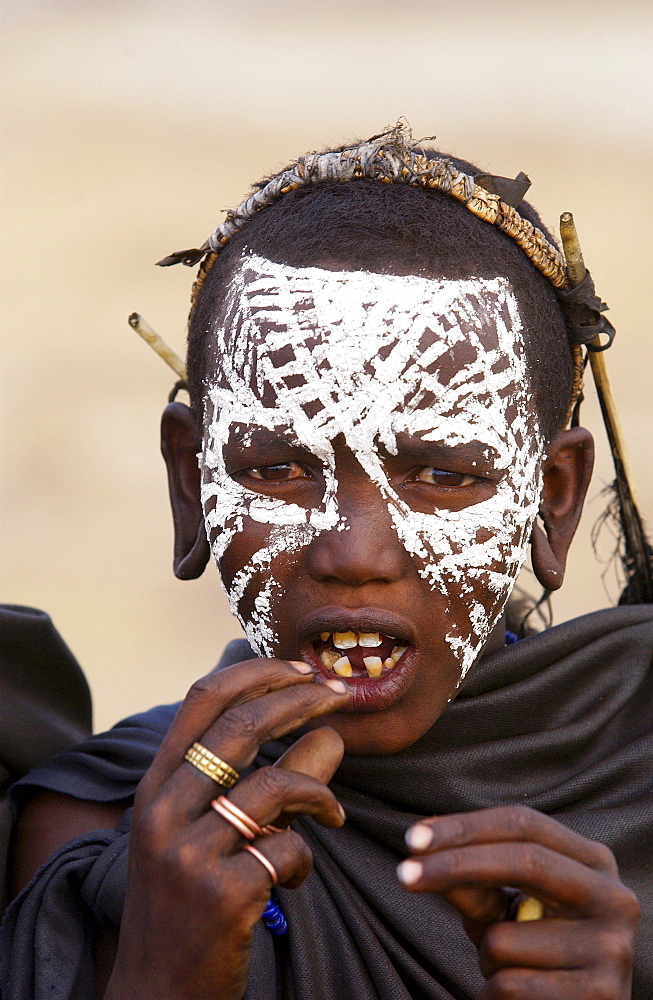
(338, 686)
(410, 871)
(342, 812)
(301, 667)
(418, 837)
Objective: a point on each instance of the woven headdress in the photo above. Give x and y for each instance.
(393, 158)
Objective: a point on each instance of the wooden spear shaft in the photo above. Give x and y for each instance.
(637, 547)
(576, 271)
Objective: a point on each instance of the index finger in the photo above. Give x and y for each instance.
(210, 696)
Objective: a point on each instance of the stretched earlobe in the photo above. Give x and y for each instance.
(549, 570)
(567, 472)
(180, 444)
(191, 565)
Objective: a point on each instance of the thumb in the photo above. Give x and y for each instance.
(317, 753)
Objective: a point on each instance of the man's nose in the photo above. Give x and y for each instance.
(367, 549)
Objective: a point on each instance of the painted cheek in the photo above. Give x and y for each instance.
(472, 557)
(255, 541)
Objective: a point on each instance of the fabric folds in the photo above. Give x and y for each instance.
(560, 721)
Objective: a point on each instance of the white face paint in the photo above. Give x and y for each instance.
(312, 353)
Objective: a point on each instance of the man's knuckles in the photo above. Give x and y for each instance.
(256, 676)
(536, 862)
(581, 984)
(503, 862)
(600, 958)
(150, 834)
(250, 723)
(602, 858)
(614, 951)
(271, 790)
(494, 950)
(289, 854)
(517, 984)
(271, 786)
(619, 903)
(512, 984)
(521, 822)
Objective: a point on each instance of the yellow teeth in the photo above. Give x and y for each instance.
(345, 640)
(369, 639)
(373, 665)
(342, 667)
(339, 662)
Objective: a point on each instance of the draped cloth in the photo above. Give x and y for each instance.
(45, 703)
(561, 721)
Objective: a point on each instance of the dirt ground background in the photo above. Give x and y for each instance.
(129, 126)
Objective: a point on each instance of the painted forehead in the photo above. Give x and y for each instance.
(300, 345)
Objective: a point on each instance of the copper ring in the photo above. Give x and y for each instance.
(237, 824)
(269, 867)
(255, 829)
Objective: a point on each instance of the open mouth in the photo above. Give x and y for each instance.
(359, 654)
(372, 649)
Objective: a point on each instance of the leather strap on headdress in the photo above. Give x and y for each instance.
(393, 158)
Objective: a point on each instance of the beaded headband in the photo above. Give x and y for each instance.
(393, 158)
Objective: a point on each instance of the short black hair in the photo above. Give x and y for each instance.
(399, 229)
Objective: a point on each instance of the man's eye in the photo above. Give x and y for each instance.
(438, 477)
(277, 473)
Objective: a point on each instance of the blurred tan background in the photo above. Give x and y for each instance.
(129, 126)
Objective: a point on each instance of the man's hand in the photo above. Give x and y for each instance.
(582, 949)
(193, 895)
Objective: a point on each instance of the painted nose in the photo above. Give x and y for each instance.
(366, 551)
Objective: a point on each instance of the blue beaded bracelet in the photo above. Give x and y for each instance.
(274, 919)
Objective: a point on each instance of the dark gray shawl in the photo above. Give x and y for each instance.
(561, 721)
(45, 703)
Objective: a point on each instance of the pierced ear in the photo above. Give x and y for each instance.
(567, 473)
(180, 444)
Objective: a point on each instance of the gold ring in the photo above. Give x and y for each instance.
(218, 770)
(269, 867)
(529, 908)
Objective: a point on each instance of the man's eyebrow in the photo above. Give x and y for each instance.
(474, 452)
(260, 437)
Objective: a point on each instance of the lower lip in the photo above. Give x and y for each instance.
(372, 694)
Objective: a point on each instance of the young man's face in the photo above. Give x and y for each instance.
(370, 476)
